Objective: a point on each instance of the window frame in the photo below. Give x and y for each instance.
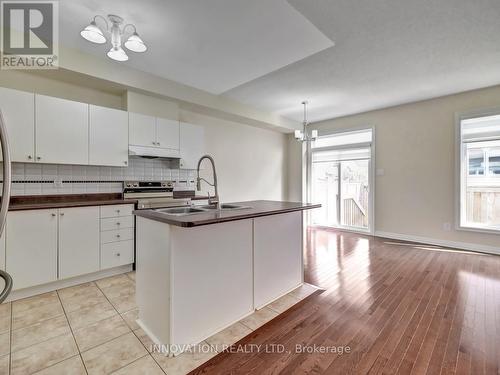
(462, 169)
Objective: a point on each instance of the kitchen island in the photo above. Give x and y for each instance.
(200, 272)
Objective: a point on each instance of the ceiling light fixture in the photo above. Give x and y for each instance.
(94, 34)
(303, 135)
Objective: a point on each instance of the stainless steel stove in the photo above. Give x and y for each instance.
(153, 194)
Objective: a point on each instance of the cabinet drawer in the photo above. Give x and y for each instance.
(117, 254)
(114, 223)
(117, 210)
(125, 234)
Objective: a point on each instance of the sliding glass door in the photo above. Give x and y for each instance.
(340, 181)
(325, 190)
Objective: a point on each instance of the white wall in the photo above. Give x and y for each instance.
(250, 161)
(415, 145)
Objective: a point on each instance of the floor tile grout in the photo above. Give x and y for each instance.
(150, 354)
(72, 333)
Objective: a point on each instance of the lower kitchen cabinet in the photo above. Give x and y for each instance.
(43, 246)
(78, 241)
(32, 247)
(116, 254)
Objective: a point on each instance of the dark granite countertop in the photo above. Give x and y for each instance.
(257, 208)
(38, 202)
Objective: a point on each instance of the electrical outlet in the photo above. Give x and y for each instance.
(447, 227)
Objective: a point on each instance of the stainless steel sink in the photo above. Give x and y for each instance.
(182, 211)
(178, 211)
(224, 207)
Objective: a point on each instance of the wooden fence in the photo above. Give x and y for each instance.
(483, 205)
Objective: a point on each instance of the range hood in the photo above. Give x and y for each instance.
(154, 152)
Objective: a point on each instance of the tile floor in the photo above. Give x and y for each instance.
(91, 329)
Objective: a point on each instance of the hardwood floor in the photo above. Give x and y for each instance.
(400, 308)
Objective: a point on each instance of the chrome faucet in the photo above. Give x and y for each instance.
(211, 200)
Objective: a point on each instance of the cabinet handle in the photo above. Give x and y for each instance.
(158, 143)
(38, 158)
(62, 213)
(117, 211)
(118, 254)
(30, 157)
(118, 223)
(117, 236)
(154, 142)
(53, 214)
(125, 162)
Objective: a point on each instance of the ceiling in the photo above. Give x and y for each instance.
(272, 54)
(212, 45)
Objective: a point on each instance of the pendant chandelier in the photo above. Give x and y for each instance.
(114, 28)
(303, 135)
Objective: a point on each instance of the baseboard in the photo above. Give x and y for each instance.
(59, 284)
(433, 241)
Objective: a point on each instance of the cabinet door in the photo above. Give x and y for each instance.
(167, 133)
(32, 247)
(62, 131)
(192, 145)
(142, 130)
(78, 241)
(18, 109)
(108, 143)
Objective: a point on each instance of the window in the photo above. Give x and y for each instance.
(480, 173)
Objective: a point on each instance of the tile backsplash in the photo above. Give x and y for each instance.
(35, 179)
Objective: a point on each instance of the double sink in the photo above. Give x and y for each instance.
(182, 211)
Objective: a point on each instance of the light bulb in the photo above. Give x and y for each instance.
(118, 54)
(299, 135)
(135, 43)
(93, 34)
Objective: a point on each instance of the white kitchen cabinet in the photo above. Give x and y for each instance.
(78, 241)
(62, 130)
(18, 110)
(31, 247)
(108, 136)
(192, 145)
(142, 130)
(167, 133)
(117, 254)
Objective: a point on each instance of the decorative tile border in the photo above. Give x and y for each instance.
(37, 179)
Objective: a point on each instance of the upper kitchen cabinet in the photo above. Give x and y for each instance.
(18, 109)
(62, 130)
(192, 145)
(108, 137)
(167, 133)
(153, 136)
(142, 130)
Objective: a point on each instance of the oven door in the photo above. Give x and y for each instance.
(144, 204)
